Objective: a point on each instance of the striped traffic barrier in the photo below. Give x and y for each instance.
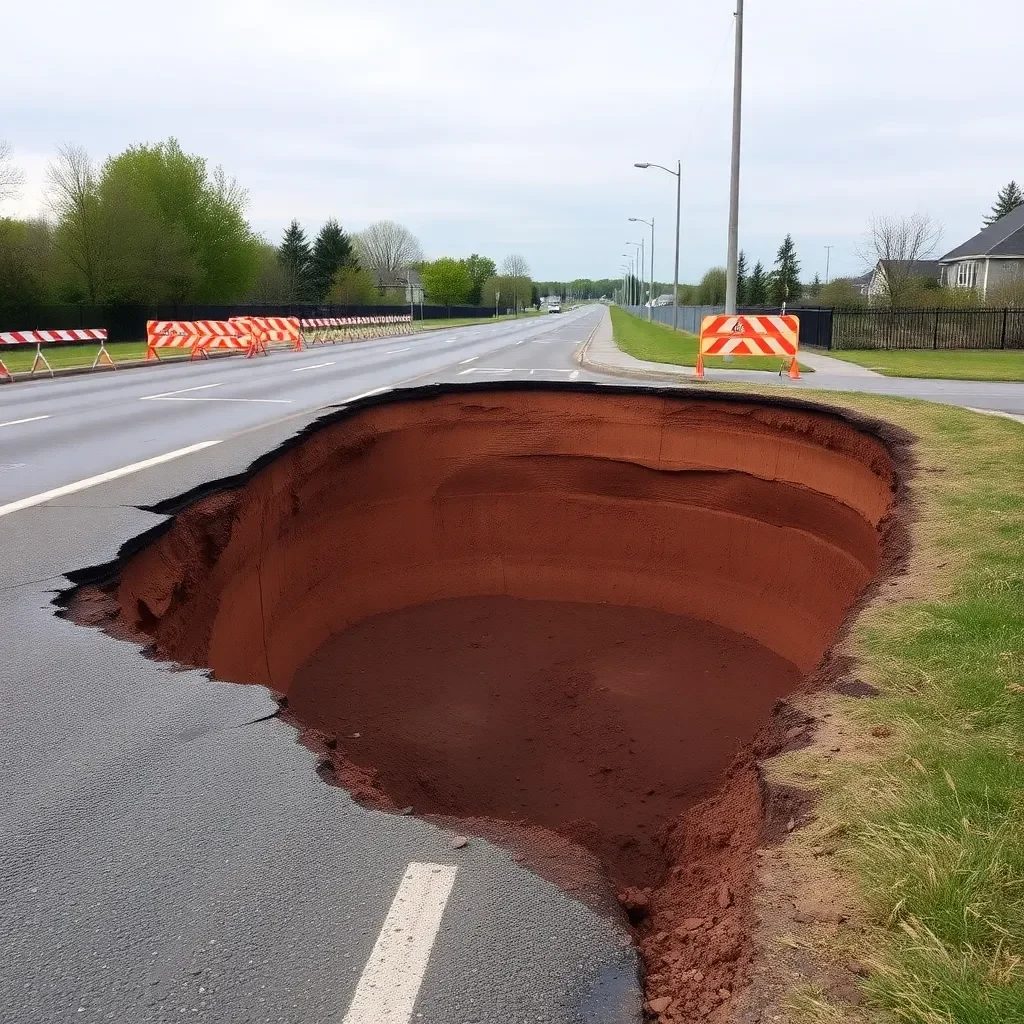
(267, 330)
(196, 335)
(41, 338)
(750, 335)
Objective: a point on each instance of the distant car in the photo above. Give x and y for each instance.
(554, 307)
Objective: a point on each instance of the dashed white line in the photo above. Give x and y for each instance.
(255, 401)
(397, 351)
(27, 419)
(471, 359)
(390, 982)
(312, 366)
(102, 478)
(366, 394)
(183, 391)
(574, 375)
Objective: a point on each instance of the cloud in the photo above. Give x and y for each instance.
(497, 130)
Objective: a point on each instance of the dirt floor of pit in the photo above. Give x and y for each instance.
(600, 723)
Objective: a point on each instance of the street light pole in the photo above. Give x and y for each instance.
(678, 172)
(828, 260)
(640, 280)
(732, 265)
(650, 294)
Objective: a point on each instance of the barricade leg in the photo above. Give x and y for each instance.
(198, 351)
(4, 372)
(151, 353)
(104, 354)
(40, 358)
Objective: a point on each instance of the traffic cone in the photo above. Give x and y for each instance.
(699, 369)
(794, 370)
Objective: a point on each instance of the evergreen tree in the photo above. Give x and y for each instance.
(296, 259)
(1009, 198)
(741, 279)
(757, 286)
(784, 282)
(332, 250)
(815, 286)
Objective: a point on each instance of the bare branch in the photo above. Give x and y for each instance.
(387, 247)
(71, 192)
(11, 176)
(899, 243)
(515, 266)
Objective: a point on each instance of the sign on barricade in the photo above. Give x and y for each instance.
(750, 335)
(40, 338)
(196, 335)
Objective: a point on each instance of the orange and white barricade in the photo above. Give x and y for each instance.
(750, 335)
(41, 338)
(268, 330)
(198, 336)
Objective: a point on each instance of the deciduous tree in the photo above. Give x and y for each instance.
(446, 281)
(711, 290)
(386, 247)
(11, 176)
(480, 268)
(900, 244)
(72, 192)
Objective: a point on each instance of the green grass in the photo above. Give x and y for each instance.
(437, 325)
(660, 344)
(951, 365)
(935, 826)
(63, 356)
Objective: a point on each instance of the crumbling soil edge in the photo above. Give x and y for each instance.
(697, 977)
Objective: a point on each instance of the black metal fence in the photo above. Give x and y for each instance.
(928, 328)
(127, 322)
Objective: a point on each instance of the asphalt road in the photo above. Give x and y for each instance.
(167, 850)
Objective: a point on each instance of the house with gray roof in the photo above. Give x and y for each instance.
(892, 277)
(993, 257)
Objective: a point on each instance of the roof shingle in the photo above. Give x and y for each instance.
(1004, 238)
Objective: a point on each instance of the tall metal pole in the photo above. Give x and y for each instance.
(643, 268)
(650, 308)
(675, 276)
(828, 260)
(732, 265)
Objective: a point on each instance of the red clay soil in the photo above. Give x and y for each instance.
(562, 611)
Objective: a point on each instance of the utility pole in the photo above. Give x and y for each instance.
(732, 265)
(828, 260)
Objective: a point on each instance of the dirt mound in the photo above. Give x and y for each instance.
(559, 609)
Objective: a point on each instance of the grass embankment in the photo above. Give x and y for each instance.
(932, 821)
(938, 365)
(660, 344)
(64, 356)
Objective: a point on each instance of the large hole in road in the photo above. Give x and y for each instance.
(562, 610)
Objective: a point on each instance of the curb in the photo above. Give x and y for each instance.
(582, 357)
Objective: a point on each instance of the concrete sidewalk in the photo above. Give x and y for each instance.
(603, 355)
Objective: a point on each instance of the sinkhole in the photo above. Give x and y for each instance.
(568, 608)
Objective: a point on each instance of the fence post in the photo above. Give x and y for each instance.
(935, 333)
(1002, 340)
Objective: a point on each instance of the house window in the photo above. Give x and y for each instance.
(965, 275)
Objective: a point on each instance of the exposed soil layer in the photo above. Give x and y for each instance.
(562, 611)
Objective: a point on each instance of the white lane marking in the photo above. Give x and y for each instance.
(390, 982)
(102, 478)
(27, 419)
(396, 351)
(574, 375)
(257, 401)
(471, 359)
(367, 394)
(314, 366)
(167, 394)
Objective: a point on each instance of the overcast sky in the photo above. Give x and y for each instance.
(513, 128)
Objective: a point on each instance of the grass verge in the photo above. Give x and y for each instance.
(938, 365)
(660, 344)
(933, 819)
(66, 356)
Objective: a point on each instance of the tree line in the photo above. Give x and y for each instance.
(154, 224)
